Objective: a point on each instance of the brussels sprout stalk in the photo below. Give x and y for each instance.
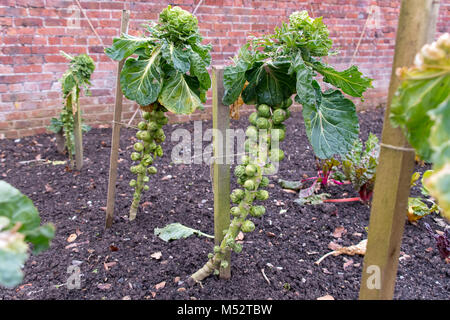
(250, 176)
(150, 135)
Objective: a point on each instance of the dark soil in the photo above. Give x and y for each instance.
(285, 244)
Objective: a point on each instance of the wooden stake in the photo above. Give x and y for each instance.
(77, 132)
(221, 167)
(395, 166)
(115, 133)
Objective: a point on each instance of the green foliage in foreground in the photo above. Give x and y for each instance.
(19, 225)
(421, 107)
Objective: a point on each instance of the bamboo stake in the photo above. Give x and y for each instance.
(395, 167)
(221, 170)
(115, 133)
(77, 132)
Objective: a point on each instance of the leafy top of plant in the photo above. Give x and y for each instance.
(278, 65)
(79, 73)
(169, 63)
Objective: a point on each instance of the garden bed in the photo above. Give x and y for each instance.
(118, 262)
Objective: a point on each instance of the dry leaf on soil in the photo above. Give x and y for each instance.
(360, 249)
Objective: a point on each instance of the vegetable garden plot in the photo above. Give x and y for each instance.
(285, 243)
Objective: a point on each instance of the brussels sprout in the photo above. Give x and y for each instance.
(138, 146)
(252, 133)
(132, 183)
(278, 116)
(147, 160)
(257, 211)
(239, 171)
(269, 169)
(241, 180)
(264, 111)
(139, 134)
(159, 151)
(276, 155)
(288, 114)
(140, 169)
(237, 248)
(264, 182)
(250, 146)
(235, 211)
(263, 123)
(251, 170)
(146, 136)
(224, 264)
(249, 185)
(152, 146)
(279, 126)
(161, 138)
(146, 115)
(162, 121)
(248, 226)
(134, 169)
(142, 125)
(245, 160)
(217, 249)
(158, 114)
(210, 255)
(230, 242)
(277, 134)
(153, 126)
(262, 195)
(135, 156)
(145, 179)
(146, 188)
(152, 170)
(237, 195)
(253, 117)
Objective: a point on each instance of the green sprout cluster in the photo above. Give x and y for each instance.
(264, 133)
(151, 135)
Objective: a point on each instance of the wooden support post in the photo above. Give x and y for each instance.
(221, 166)
(395, 167)
(77, 132)
(115, 133)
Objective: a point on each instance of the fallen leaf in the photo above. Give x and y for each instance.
(104, 286)
(176, 279)
(113, 248)
(240, 236)
(339, 231)
(38, 157)
(78, 232)
(153, 294)
(327, 297)
(326, 271)
(103, 208)
(48, 188)
(146, 204)
(160, 285)
(72, 237)
(348, 263)
(360, 249)
(181, 289)
(334, 246)
(156, 255)
(168, 177)
(429, 249)
(271, 234)
(109, 265)
(73, 245)
(289, 191)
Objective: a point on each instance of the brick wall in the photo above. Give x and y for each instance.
(34, 31)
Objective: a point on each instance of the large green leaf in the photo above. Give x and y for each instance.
(177, 96)
(270, 82)
(141, 79)
(234, 76)
(305, 90)
(177, 57)
(350, 81)
(440, 134)
(126, 45)
(199, 69)
(176, 231)
(410, 106)
(331, 123)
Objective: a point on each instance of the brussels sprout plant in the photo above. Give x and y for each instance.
(77, 77)
(421, 107)
(267, 72)
(165, 70)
